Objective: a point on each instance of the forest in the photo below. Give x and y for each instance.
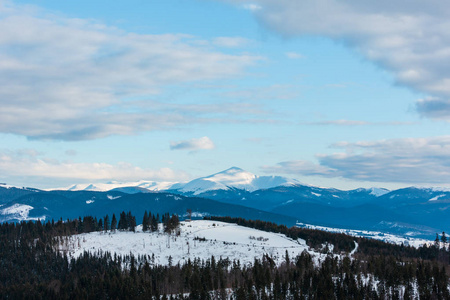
(33, 268)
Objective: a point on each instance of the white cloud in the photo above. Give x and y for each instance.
(411, 161)
(252, 6)
(203, 143)
(230, 42)
(27, 166)
(71, 79)
(344, 122)
(409, 39)
(294, 55)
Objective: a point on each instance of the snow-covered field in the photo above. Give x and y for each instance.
(18, 212)
(197, 239)
(386, 237)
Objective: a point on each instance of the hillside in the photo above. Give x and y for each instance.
(197, 239)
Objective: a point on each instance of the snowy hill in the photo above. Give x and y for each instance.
(197, 239)
(140, 185)
(235, 178)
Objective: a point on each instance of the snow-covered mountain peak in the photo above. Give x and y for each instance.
(232, 177)
(235, 178)
(102, 187)
(377, 192)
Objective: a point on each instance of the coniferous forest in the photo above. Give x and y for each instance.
(33, 268)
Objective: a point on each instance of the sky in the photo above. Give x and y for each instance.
(342, 94)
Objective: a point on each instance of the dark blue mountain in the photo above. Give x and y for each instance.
(72, 204)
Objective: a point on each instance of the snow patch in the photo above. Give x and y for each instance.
(437, 197)
(377, 192)
(386, 237)
(18, 212)
(112, 197)
(90, 201)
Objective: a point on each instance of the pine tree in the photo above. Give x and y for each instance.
(106, 224)
(123, 221)
(145, 222)
(444, 239)
(100, 224)
(436, 242)
(154, 224)
(131, 222)
(114, 223)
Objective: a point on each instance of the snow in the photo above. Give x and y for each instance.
(197, 239)
(231, 178)
(90, 201)
(386, 237)
(437, 197)
(235, 178)
(315, 194)
(18, 212)
(7, 186)
(112, 197)
(440, 189)
(355, 249)
(377, 192)
(103, 187)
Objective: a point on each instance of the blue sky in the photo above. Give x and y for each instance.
(333, 93)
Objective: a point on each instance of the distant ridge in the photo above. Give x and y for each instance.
(235, 178)
(232, 178)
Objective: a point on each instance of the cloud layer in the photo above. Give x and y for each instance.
(203, 143)
(75, 79)
(410, 39)
(412, 161)
(31, 166)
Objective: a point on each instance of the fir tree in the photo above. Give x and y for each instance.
(113, 223)
(145, 222)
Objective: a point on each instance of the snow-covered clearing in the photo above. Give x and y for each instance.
(386, 237)
(18, 212)
(197, 239)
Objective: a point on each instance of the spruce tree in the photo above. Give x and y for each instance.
(444, 239)
(145, 222)
(114, 223)
(154, 224)
(106, 224)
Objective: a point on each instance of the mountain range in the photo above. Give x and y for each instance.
(412, 211)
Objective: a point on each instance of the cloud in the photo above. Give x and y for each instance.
(251, 6)
(26, 166)
(294, 55)
(72, 79)
(203, 143)
(71, 152)
(412, 41)
(434, 107)
(411, 161)
(344, 122)
(230, 42)
(271, 92)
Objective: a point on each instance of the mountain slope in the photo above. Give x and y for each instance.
(72, 204)
(234, 178)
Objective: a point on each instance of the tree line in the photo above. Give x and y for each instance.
(33, 268)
